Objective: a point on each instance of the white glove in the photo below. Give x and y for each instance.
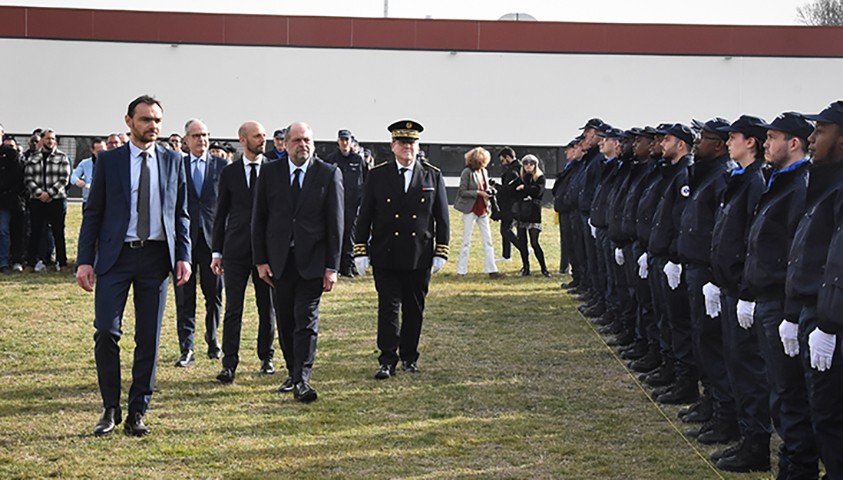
(362, 263)
(593, 229)
(643, 272)
(711, 292)
(619, 257)
(788, 333)
(438, 263)
(746, 314)
(821, 345)
(673, 271)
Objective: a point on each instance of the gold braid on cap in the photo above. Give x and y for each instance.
(414, 134)
(361, 250)
(441, 251)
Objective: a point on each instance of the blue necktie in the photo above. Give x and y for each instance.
(198, 177)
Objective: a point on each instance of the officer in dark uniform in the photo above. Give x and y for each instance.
(354, 171)
(765, 268)
(676, 146)
(817, 296)
(565, 204)
(586, 188)
(582, 283)
(706, 184)
(278, 142)
(403, 230)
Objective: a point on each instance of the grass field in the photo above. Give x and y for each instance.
(514, 384)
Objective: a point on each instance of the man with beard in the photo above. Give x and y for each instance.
(83, 174)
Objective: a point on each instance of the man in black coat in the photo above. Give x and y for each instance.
(297, 225)
(11, 187)
(405, 212)
(232, 255)
(510, 172)
(353, 170)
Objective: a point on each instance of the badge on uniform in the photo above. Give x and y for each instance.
(685, 191)
(428, 189)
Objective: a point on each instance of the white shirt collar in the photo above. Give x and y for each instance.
(135, 151)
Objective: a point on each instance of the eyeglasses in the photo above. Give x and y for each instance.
(529, 162)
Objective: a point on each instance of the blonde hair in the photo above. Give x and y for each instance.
(477, 158)
(537, 172)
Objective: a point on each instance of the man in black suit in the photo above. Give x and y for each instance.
(405, 210)
(297, 227)
(232, 255)
(135, 232)
(203, 172)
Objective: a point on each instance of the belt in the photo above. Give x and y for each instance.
(142, 243)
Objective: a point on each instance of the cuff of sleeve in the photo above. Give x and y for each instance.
(361, 250)
(830, 328)
(215, 255)
(441, 251)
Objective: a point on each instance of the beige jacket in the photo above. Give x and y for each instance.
(470, 181)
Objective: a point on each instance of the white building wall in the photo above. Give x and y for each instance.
(83, 88)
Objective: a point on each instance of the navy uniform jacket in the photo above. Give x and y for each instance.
(653, 187)
(605, 187)
(771, 233)
(354, 170)
(398, 230)
(106, 216)
(636, 184)
(617, 201)
(561, 187)
(810, 248)
(707, 181)
(202, 208)
(571, 196)
(728, 246)
(594, 161)
(664, 235)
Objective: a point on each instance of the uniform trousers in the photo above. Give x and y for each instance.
(789, 407)
(564, 238)
(825, 395)
(679, 318)
(403, 290)
(349, 219)
(606, 267)
(656, 281)
(579, 260)
(598, 283)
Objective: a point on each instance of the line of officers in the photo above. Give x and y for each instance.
(712, 254)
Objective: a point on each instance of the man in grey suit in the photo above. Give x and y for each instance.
(297, 226)
(135, 232)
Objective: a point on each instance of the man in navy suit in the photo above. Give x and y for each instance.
(135, 232)
(297, 227)
(203, 172)
(232, 255)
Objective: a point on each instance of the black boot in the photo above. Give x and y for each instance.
(648, 362)
(753, 456)
(685, 391)
(723, 432)
(662, 376)
(635, 351)
(699, 412)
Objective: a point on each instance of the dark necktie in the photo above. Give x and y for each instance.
(403, 172)
(143, 198)
(253, 179)
(295, 188)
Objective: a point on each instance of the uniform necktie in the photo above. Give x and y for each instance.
(198, 177)
(295, 188)
(253, 179)
(403, 172)
(143, 199)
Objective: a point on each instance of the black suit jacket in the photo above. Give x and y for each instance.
(316, 224)
(233, 221)
(407, 229)
(202, 207)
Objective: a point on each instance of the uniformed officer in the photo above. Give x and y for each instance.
(746, 372)
(354, 171)
(768, 241)
(816, 249)
(567, 206)
(403, 230)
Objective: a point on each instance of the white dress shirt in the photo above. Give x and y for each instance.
(156, 220)
(247, 167)
(408, 175)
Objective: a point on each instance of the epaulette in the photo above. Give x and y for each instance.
(379, 165)
(430, 165)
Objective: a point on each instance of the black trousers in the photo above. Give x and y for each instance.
(405, 290)
(297, 311)
(236, 277)
(598, 282)
(506, 230)
(579, 262)
(40, 215)
(350, 219)
(211, 286)
(146, 270)
(679, 318)
(564, 239)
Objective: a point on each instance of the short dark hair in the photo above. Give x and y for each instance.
(803, 142)
(507, 152)
(96, 140)
(143, 99)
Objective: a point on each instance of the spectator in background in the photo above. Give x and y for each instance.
(46, 174)
(529, 220)
(473, 201)
(11, 186)
(113, 141)
(83, 174)
(174, 141)
(511, 170)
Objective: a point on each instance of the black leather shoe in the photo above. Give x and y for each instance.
(384, 372)
(267, 367)
(226, 375)
(110, 418)
(304, 393)
(215, 354)
(410, 367)
(186, 359)
(287, 385)
(723, 432)
(134, 426)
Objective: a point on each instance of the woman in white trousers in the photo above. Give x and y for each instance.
(473, 201)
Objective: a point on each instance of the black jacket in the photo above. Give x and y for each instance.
(561, 188)
(594, 161)
(628, 170)
(728, 244)
(637, 183)
(810, 247)
(532, 194)
(707, 182)
(11, 179)
(771, 233)
(665, 232)
(575, 185)
(605, 188)
(354, 171)
(506, 192)
(652, 186)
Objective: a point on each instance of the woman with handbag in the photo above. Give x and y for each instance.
(528, 212)
(474, 197)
